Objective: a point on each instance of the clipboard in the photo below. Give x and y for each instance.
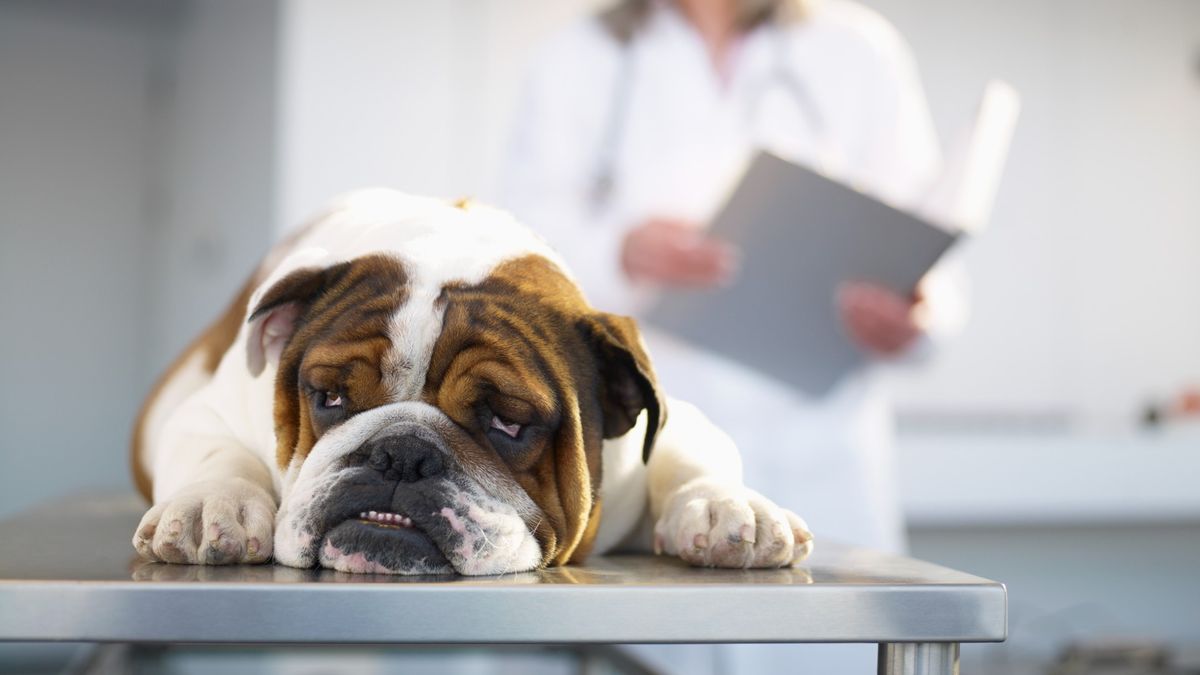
(801, 235)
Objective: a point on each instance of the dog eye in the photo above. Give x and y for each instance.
(331, 399)
(510, 429)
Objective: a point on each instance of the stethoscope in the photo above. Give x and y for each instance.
(779, 77)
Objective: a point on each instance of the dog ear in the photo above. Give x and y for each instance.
(281, 307)
(627, 382)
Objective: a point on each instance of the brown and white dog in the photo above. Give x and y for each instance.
(411, 386)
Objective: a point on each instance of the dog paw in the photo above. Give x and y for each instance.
(209, 523)
(712, 524)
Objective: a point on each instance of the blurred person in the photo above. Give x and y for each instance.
(632, 125)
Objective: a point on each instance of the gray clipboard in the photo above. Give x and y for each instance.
(801, 235)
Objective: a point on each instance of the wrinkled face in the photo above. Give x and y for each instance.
(447, 428)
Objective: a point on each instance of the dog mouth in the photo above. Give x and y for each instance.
(362, 524)
(385, 542)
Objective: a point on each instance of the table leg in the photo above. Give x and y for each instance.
(918, 658)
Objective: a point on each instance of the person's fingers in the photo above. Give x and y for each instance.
(677, 253)
(709, 261)
(893, 307)
(861, 329)
(889, 339)
(887, 316)
(694, 261)
(877, 292)
(879, 322)
(900, 305)
(729, 264)
(880, 303)
(881, 328)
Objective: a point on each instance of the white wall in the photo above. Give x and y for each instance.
(415, 95)
(1085, 287)
(73, 109)
(136, 187)
(371, 94)
(214, 178)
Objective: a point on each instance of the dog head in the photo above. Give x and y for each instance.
(441, 393)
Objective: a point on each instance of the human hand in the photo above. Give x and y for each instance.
(676, 253)
(877, 319)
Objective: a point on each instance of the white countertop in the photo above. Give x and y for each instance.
(962, 479)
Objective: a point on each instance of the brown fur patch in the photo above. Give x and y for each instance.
(339, 345)
(520, 341)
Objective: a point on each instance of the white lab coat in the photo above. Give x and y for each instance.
(684, 136)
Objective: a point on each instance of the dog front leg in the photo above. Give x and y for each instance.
(214, 501)
(703, 512)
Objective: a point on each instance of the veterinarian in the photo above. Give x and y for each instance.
(634, 123)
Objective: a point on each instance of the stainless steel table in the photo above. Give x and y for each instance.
(68, 573)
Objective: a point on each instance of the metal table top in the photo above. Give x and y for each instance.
(68, 572)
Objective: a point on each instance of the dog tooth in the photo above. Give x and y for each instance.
(372, 515)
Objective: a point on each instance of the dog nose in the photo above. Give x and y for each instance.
(406, 458)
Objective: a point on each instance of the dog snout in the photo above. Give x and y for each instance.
(405, 458)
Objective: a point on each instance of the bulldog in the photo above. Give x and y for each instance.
(412, 386)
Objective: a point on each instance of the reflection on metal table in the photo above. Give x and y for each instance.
(68, 573)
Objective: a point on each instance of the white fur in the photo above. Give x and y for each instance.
(184, 382)
(623, 496)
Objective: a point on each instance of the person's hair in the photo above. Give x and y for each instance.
(625, 17)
